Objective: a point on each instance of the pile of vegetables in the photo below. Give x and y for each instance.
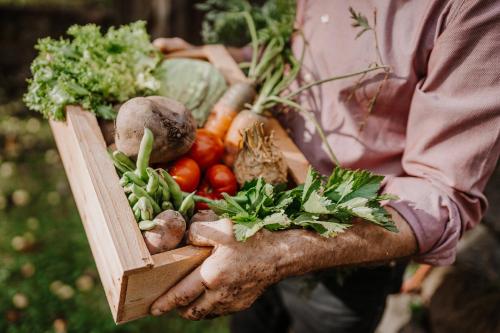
(153, 196)
(183, 143)
(158, 130)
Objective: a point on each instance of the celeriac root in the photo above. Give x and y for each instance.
(259, 157)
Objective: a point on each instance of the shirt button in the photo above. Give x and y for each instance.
(325, 18)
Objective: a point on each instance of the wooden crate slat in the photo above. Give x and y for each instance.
(146, 286)
(109, 272)
(116, 245)
(295, 160)
(119, 218)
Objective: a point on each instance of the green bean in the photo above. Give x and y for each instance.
(124, 180)
(123, 160)
(144, 204)
(134, 178)
(198, 198)
(187, 204)
(173, 187)
(137, 211)
(146, 214)
(153, 181)
(190, 211)
(132, 199)
(120, 168)
(165, 194)
(166, 205)
(145, 149)
(137, 214)
(147, 225)
(140, 192)
(165, 188)
(157, 195)
(129, 177)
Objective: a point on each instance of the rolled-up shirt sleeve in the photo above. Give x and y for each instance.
(452, 140)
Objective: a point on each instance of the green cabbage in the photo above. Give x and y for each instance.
(195, 83)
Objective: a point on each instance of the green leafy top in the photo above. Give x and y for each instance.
(359, 21)
(326, 205)
(92, 69)
(224, 24)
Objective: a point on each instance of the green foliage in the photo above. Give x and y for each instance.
(269, 28)
(327, 206)
(224, 23)
(92, 69)
(48, 279)
(359, 21)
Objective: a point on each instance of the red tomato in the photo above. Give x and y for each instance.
(207, 149)
(205, 191)
(221, 179)
(186, 173)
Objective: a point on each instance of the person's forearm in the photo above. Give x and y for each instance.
(302, 251)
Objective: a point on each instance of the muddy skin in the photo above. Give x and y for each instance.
(173, 127)
(236, 273)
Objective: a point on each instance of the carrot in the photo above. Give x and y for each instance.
(226, 109)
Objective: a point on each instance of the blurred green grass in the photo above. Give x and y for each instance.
(48, 279)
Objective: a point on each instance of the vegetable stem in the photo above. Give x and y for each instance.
(311, 117)
(333, 78)
(140, 193)
(145, 149)
(199, 198)
(175, 190)
(255, 42)
(123, 159)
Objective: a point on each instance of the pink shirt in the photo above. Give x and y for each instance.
(434, 131)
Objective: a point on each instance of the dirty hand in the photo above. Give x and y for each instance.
(230, 279)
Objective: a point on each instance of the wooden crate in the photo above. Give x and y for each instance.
(131, 277)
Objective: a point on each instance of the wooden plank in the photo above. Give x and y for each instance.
(295, 160)
(146, 286)
(114, 237)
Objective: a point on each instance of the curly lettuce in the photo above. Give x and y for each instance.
(92, 69)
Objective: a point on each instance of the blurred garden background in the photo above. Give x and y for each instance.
(48, 280)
